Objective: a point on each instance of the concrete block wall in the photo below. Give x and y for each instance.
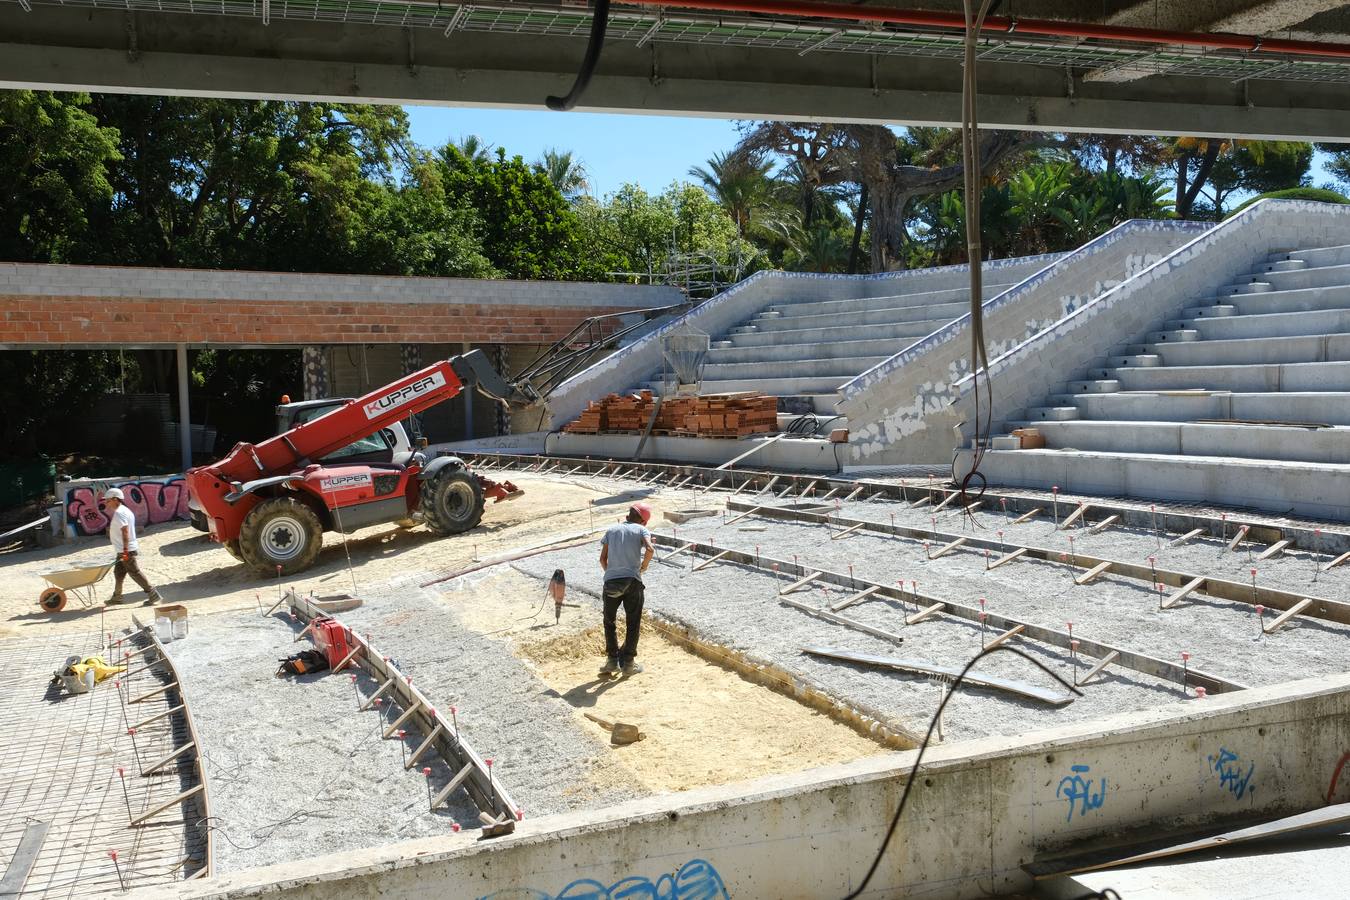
(642, 359)
(1040, 365)
(978, 811)
(897, 410)
(69, 306)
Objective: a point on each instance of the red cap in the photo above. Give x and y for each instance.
(643, 510)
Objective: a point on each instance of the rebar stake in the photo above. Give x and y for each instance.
(426, 776)
(121, 774)
(1054, 489)
(1185, 670)
(1260, 620)
(112, 854)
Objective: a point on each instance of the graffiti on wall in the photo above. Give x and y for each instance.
(1228, 767)
(695, 880)
(153, 500)
(1078, 792)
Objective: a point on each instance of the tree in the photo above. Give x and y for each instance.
(739, 182)
(567, 173)
(54, 156)
(528, 228)
(1194, 161)
(66, 382)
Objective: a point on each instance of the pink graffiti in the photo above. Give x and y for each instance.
(153, 502)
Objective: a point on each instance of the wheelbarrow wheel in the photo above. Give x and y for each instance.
(52, 600)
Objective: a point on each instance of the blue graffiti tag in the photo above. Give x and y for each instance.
(695, 880)
(1078, 791)
(1229, 770)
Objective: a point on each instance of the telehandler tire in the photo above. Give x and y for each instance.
(452, 501)
(280, 532)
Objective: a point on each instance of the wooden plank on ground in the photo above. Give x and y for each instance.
(407, 714)
(379, 692)
(1091, 574)
(1104, 524)
(1277, 547)
(856, 598)
(800, 583)
(155, 718)
(680, 549)
(22, 862)
(1075, 515)
(453, 783)
(855, 492)
(156, 810)
(948, 548)
(748, 512)
(925, 613)
(710, 560)
(1188, 536)
(772, 482)
(841, 620)
(921, 667)
(170, 758)
(1028, 515)
(424, 746)
(921, 501)
(1101, 664)
(847, 531)
(1336, 562)
(163, 688)
(1237, 538)
(1008, 557)
(1285, 616)
(1183, 592)
(1006, 636)
(950, 497)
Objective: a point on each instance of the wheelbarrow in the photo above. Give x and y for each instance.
(67, 582)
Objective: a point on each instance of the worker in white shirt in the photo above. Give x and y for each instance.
(122, 533)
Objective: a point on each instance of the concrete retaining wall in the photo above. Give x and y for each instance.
(897, 410)
(642, 359)
(978, 812)
(1041, 365)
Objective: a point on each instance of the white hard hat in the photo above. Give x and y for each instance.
(113, 494)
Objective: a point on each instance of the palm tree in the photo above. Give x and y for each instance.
(473, 148)
(739, 182)
(567, 173)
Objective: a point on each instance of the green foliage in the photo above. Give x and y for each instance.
(54, 157)
(1321, 195)
(529, 229)
(44, 390)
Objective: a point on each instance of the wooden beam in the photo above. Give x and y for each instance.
(407, 714)
(454, 783)
(856, 491)
(379, 691)
(710, 560)
(1020, 688)
(842, 620)
(1336, 562)
(1277, 547)
(799, 583)
(1237, 538)
(1074, 516)
(948, 548)
(748, 512)
(950, 497)
(155, 718)
(921, 501)
(1008, 557)
(1183, 592)
(1285, 616)
(856, 598)
(1006, 636)
(755, 449)
(1028, 515)
(678, 550)
(925, 613)
(156, 692)
(1091, 574)
(823, 497)
(156, 810)
(1101, 664)
(1104, 524)
(772, 482)
(168, 759)
(847, 531)
(424, 746)
(348, 658)
(714, 483)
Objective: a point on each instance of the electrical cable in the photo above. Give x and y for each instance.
(599, 22)
(927, 738)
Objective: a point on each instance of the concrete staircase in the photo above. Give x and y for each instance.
(806, 349)
(1251, 382)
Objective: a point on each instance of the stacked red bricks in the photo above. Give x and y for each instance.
(713, 416)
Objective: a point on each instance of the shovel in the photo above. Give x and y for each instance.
(620, 733)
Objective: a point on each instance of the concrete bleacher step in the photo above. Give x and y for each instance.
(841, 368)
(908, 332)
(883, 347)
(1271, 442)
(1051, 413)
(1214, 311)
(1285, 265)
(1307, 376)
(899, 313)
(902, 316)
(1298, 300)
(1316, 276)
(1298, 488)
(1174, 336)
(1248, 287)
(1250, 351)
(1325, 407)
(1282, 324)
(1094, 386)
(1318, 256)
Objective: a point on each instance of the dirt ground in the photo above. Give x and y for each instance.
(187, 568)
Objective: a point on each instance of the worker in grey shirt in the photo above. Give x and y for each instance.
(625, 552)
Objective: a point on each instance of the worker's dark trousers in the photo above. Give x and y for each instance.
(625, 592)
(129, 567)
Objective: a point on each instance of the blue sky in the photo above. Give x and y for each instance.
(651, 151)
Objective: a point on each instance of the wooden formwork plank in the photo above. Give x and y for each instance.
(407, 714)
(1237, 538)
(1009, 557)
(769, 486)
(925, 613)
(455, 782)
(346, 659)
(1075, 516)
(156, 717)
(1028, 515)
(748, 512)
(677, 551)
(424, 746)
(847, 531)
(842, 620)
(163, 688)
(191, 745)
(21, 863)
(379, 692)
(161, 807)
(949, 498)
(1006, 636)
(1188, 536)
(1183, 592)
(1091, 574)
(855, 492)
(1277, 547)
(1104, 524)
(713, 484)
(856, 598)
(1336, 562)
(1101, 664)
(1285, 616)
(710, 560)
(800, 583)
(948, 548)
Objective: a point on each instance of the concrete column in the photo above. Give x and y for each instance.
(314, 361)
(184, 422)
(468, 401)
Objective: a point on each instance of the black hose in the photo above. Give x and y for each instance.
(599, 22)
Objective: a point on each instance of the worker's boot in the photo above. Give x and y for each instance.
(116, 598)
(153, 598)
(632, 667)
(611, 666)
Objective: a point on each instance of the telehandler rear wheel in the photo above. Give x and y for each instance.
(280, 532)
(452, 501)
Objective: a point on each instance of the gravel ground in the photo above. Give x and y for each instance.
(310, 775)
